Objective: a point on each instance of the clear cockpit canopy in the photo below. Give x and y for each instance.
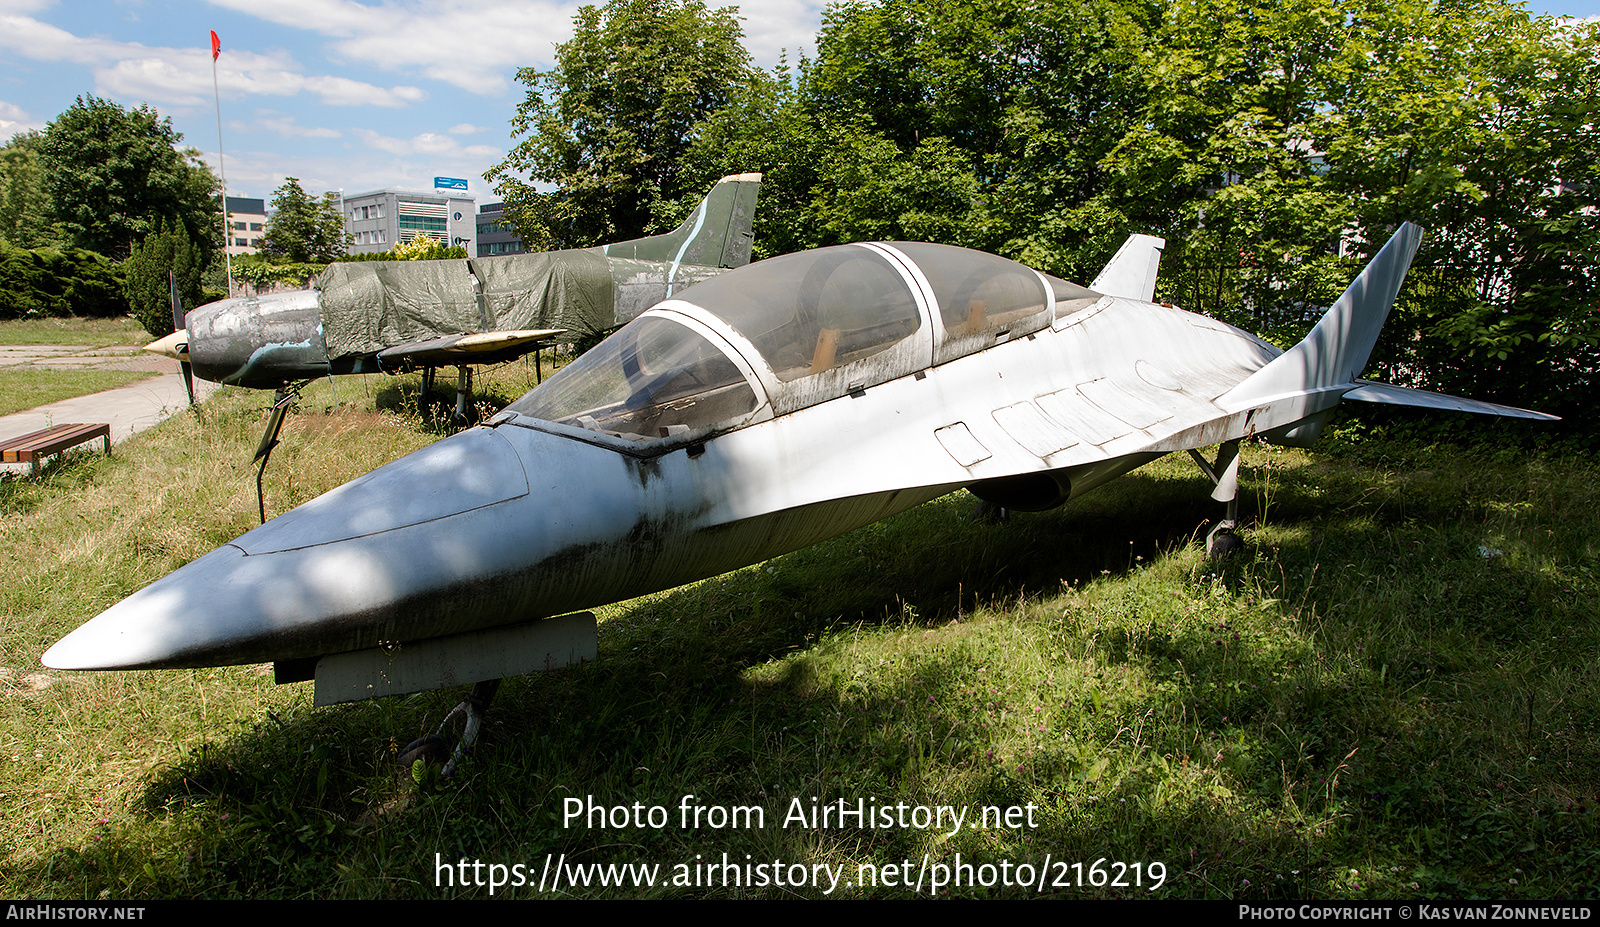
(654, 378)
(813, 311)
(793, 331)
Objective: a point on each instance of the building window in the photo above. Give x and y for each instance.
(423, 223)
(255, 226)
(242, 242)
(238, 226)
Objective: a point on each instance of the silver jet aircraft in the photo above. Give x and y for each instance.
(756, 413)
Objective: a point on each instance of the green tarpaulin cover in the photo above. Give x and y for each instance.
(371, 305)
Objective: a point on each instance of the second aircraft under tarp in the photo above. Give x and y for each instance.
(371, 316)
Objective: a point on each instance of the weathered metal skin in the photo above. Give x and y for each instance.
(581, 505)
(260, 342)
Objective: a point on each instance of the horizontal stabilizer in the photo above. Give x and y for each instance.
(1131, 272)
(1368, 391)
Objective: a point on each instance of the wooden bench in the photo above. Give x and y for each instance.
(35, 446)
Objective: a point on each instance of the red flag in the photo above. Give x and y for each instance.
(216, 45)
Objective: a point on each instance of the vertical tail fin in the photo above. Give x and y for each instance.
(1131, 272)
(717, 234)
(1336, 350)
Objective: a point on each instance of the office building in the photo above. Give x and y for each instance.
(379, 220)
(495, 235)
(247, 219)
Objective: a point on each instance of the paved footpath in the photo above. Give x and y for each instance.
(128, 409)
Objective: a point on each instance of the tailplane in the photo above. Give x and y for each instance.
(717, 234)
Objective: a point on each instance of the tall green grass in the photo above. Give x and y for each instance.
(1391, 694)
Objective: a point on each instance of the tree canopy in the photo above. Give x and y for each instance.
(24, 204)
(1273, 144)
(113, 175)
(145, 280)
(302, 228)
(610, 123)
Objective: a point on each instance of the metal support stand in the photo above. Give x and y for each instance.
(269, 440)
(463, 395)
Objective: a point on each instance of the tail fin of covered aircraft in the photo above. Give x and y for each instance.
(1131, 272)
(1315, 374)
(717, 234)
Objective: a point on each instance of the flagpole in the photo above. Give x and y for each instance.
(222, 164)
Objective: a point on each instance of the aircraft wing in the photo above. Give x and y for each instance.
(470, 348)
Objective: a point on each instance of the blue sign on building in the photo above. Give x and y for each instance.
(449, 183)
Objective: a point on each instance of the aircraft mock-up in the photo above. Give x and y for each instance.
(390, 316)
(772, 407)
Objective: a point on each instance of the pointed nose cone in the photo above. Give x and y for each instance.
(145, 629)
(407, 551)
(175, 345)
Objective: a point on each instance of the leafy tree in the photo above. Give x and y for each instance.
(52, 282)
(764, 129)
(424, 248)
(114, 175)
(1482, 127)
(1017, 102)
(609, 124)
(24, 206)
(303, 229)
(145, 277)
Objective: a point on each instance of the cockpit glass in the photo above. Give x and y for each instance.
(652, 379)
(815, 310)
(976, 291)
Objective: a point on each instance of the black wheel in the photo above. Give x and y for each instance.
(1223, 543)
(432, 750)
(990, 514)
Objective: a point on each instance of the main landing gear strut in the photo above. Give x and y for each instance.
(461, 418)
(1223, 540)
(281, 402)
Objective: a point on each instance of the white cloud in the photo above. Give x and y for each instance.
(285, 125)
(477, 45)
(14, 119)
(472, 44)
(466, 128)
(427, 143)
(774, 26)
(182, 76)
(17, 7)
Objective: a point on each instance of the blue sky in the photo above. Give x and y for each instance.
(343, 94)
